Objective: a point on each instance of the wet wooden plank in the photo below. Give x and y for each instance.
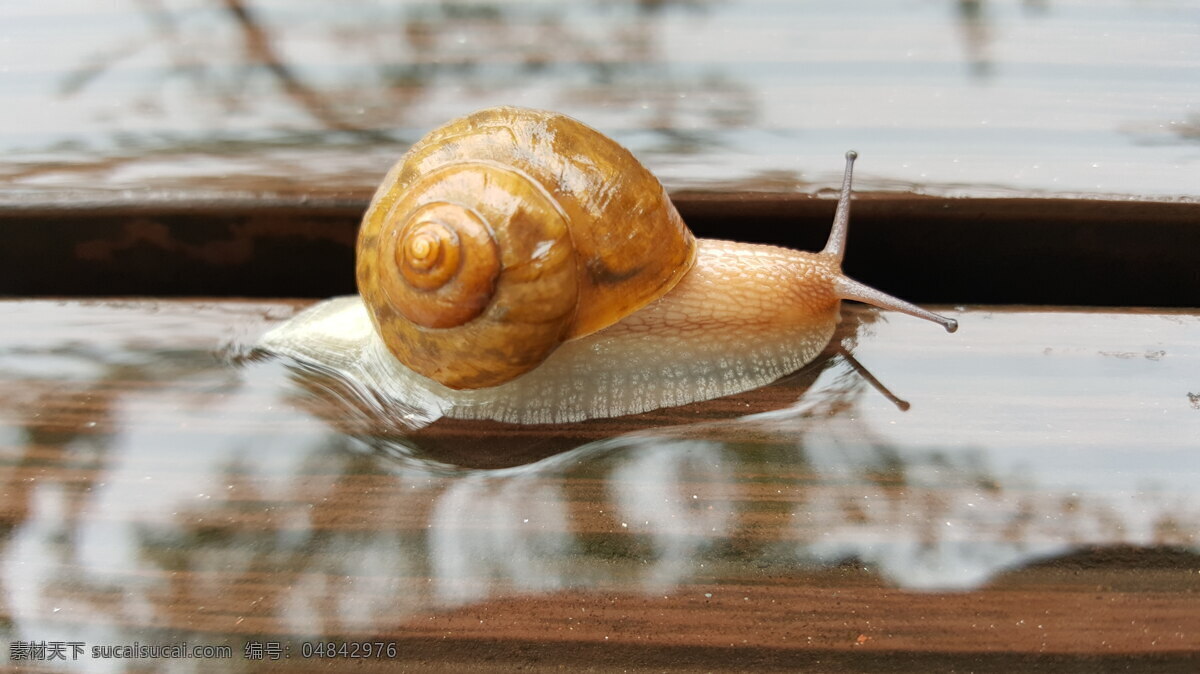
(1034, 506)
(228, 101)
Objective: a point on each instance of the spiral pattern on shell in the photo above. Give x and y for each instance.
(447, 261)
(502, 234)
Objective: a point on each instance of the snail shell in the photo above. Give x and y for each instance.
(517, 265)
(503, 234)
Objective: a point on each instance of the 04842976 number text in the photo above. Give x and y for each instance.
(348, 649)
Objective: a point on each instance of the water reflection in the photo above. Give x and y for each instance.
(149, 484)
(924, 518)
(359, 69)
(499, 531)
(229, 96)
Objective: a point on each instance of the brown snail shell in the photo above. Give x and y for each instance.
(505, 233)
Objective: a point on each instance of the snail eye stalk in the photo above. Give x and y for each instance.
(849, 289)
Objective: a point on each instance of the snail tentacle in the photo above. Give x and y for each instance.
(847, 288)
(835, 247)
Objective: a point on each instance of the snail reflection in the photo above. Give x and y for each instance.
(410, 434)
(519, 266)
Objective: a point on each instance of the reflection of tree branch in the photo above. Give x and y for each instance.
(1165, 133)
(974, 24)
(77, 80)
(976, 30)
(480, 50)
(1189, 130)
(259, 50)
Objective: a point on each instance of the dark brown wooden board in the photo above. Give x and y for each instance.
(925, 249)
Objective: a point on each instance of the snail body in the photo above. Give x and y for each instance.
(517, 265)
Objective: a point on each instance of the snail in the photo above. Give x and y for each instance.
(520, 266)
